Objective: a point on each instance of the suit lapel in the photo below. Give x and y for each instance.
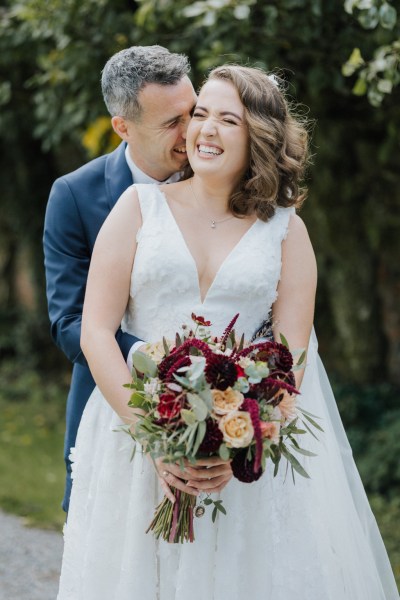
(118, 176)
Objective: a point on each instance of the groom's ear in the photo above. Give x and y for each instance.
(121, 128)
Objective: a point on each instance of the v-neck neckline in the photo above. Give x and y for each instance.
(189, 253)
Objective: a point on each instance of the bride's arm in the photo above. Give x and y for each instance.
(106, 298)
(107, 295)
(293, 311)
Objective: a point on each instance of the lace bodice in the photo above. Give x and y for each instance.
(165, 287)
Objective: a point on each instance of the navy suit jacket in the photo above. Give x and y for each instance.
(78, 205)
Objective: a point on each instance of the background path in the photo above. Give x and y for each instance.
(30, 561)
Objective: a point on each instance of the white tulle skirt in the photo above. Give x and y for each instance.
(316, 539)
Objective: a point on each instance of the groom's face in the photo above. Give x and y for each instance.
(157, 139)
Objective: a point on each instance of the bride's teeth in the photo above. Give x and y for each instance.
(209, 150)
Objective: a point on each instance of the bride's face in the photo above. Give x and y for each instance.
(217, 139)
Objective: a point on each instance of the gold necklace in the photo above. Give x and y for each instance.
(214, 223)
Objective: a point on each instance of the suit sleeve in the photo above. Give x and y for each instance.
(67, 259)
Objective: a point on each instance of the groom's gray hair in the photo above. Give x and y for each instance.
(127, 72)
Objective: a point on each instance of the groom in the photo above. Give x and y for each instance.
(150, 98)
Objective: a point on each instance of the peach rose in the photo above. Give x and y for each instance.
(270, 431)
(224, 401)
(287, 406)
(237, 429)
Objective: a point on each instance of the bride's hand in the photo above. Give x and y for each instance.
(209, 475)
(171, 474)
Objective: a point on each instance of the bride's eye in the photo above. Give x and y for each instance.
(198, 114)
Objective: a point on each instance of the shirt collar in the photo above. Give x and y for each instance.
(140, 177)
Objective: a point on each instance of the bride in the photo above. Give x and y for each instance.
(225, 240)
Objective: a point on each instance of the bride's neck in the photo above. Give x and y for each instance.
(211, 196)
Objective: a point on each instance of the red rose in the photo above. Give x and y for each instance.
(169, 406)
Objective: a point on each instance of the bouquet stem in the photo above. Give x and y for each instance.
(174, 522)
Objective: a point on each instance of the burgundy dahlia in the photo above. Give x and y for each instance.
(243, 469)
(276, 355)
(271, 390)
(212, 439)
(220, 371)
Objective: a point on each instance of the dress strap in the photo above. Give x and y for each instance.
(148, 197)
(281, 222)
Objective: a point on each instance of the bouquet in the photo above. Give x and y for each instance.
(205, 396)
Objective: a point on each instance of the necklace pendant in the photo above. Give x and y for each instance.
(199, 511)
(213, 225)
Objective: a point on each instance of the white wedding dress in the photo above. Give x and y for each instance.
(316, 539)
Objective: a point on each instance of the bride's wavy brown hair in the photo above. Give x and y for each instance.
(278, 144)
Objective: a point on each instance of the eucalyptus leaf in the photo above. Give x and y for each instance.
(284, 340)
(220, 506)
(224, 452)
(144, 364)
(241, 343)
(303, 451)
(184, 381)
(174, 387)
(197, 369)
(205, 394)
(199, 406)
(302, 358)
(134, 375)
(201, 432)
(190, 424)
(307, 412)
(166, 348)
(190, 440)
(292, 471)
(310, 430)
(294, 463)
(314, 423)
(138, 400)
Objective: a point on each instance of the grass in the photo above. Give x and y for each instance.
(31, 446)
(32, 472)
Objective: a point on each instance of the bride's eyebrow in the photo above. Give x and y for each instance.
(228, 112)
(222, 112)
